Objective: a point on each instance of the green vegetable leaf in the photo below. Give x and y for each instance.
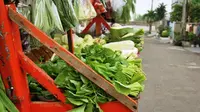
(6, 102)
(60, 79)
(2, 109)
(121, 88)
(75, 102)
(84, 80)
(79, 109)
(132, 89)
(89, 108)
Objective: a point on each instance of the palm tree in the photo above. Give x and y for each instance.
(160, 12)
(150, 17)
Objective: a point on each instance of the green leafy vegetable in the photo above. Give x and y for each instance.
(127, 33)
(113, 67)
(5, 103)
(126, 75)
(79, 109)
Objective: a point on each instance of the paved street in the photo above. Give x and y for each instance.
(173, 83)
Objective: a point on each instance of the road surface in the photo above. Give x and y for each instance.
(173, 83)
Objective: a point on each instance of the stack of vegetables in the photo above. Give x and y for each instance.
(121, 33)
(122, 70)
(116, 64)
(5, 104)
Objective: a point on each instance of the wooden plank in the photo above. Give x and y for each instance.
(50, 107)
(36, 54)
(49, 52)
(12, 75)
(70, 40)
(31, 56)
(72, 60)
(114, 106)
(44, 54)
(39, 75)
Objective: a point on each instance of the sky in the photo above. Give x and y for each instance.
(143, 5)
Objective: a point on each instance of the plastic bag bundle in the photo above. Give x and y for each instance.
(117, 4)
(123, 12)
(45, 16)
(67, 13)
(84, 10)
(53, 12)
(25, 10)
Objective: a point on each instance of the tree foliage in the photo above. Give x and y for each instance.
(150, 16)
(176, 13)
(156, 15)
(194, 12)
(160, 12)
(195, 1)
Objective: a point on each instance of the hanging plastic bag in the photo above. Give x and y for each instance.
(117, 4)
(25, 37)
(67, 13)
(24, 10)
(53, 12)
(45, 16)
(84, 10)
(40, 16)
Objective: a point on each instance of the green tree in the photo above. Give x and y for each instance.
(160, 12)
(176, 14)
(195, 1)
(194, 12)
(150, 17)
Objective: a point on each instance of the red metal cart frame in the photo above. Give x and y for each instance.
(14, 66)
(98, 20)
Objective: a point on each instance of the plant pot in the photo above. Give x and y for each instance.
(186, 44)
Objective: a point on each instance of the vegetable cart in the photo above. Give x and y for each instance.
(15, 65)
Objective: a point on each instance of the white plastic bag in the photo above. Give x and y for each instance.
(117, 4)
(85, 10)
(46, 17)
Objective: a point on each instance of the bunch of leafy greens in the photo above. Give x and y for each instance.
(127, 33)
(79, 91)
(126, 76)
(6, 104)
